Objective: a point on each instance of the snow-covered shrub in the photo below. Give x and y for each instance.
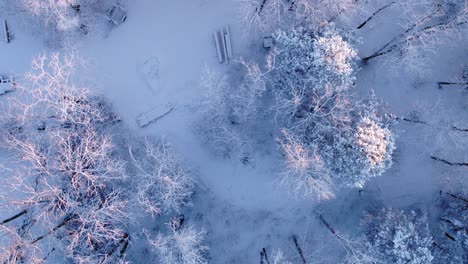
(183, 245)
(399, 237)
(162, 183)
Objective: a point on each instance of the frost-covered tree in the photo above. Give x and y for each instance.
(349, 138)
(61, 20)
(320, 165)
(162, 183)
(64, 184)
(56, 13)
(443, 128)
(356, 250)
(50, 98)
(395, 236)
(429, 23)
(230, 108)
(269, 15)
(305, 173)
(363, 152)
(460, 80)
(302, 55)
(309, 70)
(183, 245)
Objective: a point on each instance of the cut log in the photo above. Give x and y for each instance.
(218, 47)
(6, 32)
(223, 45)
(227, 40)
(154, 114)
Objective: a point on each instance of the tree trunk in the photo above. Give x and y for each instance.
(299, 250)
(124, 248)
(378, 54)
(440, 84)
(374, 14)
(265, 255)
(411, 120)
(327, 225)
(64, 222)
(260, 9)
(449, 162)
(457, 197)
(13, 217)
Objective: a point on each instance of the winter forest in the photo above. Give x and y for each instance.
(234, 131)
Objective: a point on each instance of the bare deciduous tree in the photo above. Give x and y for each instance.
(305, 172)
(231, 107)
(184, 245)
(430, 23)
(162, 182)
(65, 180)
(269, 15)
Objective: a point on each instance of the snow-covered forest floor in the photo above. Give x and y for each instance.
(239, 195)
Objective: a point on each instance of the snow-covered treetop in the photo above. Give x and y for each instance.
(313, 58)
(374, 140)
(363, 144)
(334, 53)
